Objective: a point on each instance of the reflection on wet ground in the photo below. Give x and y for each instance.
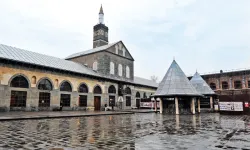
(137, 131)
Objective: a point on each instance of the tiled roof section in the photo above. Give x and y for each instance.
(20, 55)
(175, 83)
(143, 81)
(97, 49)
(200, 85)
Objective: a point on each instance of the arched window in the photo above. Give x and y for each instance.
(237, 84)
(127, 72)
(112, 89)
(95, 65)
(83, 88)
(213, 86)
(33, 80)
(120, 70)
(65, 86)
(138, 95)
(97, 90)
(224, 85)
(20, 82)
(128, 91)
(45, 84)
(112, 68)
(144, 95)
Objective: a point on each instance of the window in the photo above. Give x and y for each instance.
(213, 86)
(111, 100)
(83, 88)
(128, 101)
(20, 82)
(83, 101)
(18, 99)
(95, 66)
(138, 95)
(123, 51)
(120, 70)
(112, 89)
(224, 85)
(112, 68)
(144, 95)
(127, 72)
(116, 49)
(44, 99)
(45, 84)
(97, 90)
(65, 100)
(237, 85)
(65, 86)
(128, 91)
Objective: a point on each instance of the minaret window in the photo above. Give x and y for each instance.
(95, 66)
(120, 70)
(127, 72)
(112, 68)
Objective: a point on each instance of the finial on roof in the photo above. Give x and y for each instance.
(101, 10)
(174, 58)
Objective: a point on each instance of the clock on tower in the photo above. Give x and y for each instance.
(100, 36)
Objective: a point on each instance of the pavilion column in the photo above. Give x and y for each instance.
(161, 107)
(192, 106)
(176, 106)
(211, 102)
(199, 105)
(155, 102)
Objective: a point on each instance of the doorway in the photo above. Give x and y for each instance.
(138, 103)
(97, 102)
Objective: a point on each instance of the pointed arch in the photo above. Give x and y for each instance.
(138, 95)
(128, 91)
(66, 86)
(112, 89)
(97, 90)
(45, 84)
(19, 81)
(213, 86)
(83, 88)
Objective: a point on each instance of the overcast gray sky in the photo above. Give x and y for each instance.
(207, 35)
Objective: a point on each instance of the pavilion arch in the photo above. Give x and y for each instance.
(66, 83)
(97, 89)
(212, 86)
(83, 88)
(138, 95)
(224, 85)
(112, 89)
(19, 75)
(45, 78)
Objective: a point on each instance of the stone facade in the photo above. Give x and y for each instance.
(34, 76)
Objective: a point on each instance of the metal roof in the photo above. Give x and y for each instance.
(144, 81)
(20, 55)
(200, 85)
(175, 83)
(94, 50)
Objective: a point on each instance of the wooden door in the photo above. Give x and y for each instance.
(97, 102)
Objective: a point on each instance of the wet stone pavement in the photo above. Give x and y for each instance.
(129, 131)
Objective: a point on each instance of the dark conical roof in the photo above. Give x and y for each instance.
(175, 83)
(200, 85)
(101, 10)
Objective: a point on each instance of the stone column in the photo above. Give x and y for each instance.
(199, 105)
(211, 102)
(192, 106)
(177, 119)
(194, 121)
(176, 106)
(161, 108)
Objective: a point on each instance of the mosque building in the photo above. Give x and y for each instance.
(91, 79)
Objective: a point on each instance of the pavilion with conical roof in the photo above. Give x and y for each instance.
(176, 92)
(202, 88)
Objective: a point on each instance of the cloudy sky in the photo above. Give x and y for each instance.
(207, 35)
